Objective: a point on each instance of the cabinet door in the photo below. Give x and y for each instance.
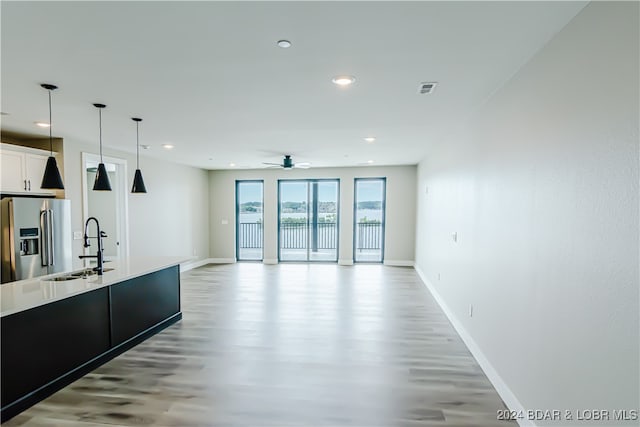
(13, 176)
(34, 171)
(48, 342)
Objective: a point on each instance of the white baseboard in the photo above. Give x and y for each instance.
(398, 263)
(269, 261)
(501, 387)
(222, 260)
(194, 264)
(345, 262)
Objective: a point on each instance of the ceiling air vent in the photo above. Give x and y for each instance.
(427, 87)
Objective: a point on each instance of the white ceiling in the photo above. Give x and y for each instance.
(209, 78)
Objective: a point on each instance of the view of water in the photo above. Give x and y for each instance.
(368, 213)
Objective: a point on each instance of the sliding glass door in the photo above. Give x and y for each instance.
(308, 220)
(249, 220)
(369, 212)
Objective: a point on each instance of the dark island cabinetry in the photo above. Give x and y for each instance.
(143, 302)
(47, 347)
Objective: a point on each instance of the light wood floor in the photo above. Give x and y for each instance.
(288, 345)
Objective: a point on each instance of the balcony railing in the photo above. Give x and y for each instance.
(250, 235)
(295, 235)
(369, 235)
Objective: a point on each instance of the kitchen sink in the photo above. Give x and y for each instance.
(62, 278)
(82, 274)
(88, 272)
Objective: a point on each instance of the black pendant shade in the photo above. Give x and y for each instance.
(51, 178)
(102, 178)
(138, 182)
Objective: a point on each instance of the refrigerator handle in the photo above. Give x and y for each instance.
(44, 239)
(51, 250)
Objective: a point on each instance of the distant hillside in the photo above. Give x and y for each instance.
(251, 207)
(301, 207)
(377, 205)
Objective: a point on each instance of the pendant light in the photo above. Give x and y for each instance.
(102, 179)
(51, 178)
(138, 182)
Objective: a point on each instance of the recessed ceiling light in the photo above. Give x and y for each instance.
(370, 138)
(343, 80)
(232, 164)
(284, 44)
(42, 124)
(370, 161)
(167, 146)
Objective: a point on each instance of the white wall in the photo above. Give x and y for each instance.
(400, 215)
(542, 188)
(171, 219)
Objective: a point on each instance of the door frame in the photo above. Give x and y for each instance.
(307, 181)
(384, 217)
(123, 203)
(238, 182)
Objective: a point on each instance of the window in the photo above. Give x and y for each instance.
(308, 220)
(249, 220)
(369, 219)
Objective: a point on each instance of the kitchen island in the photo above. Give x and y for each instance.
(54, 332)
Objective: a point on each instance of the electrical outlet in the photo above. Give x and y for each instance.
(195, 252)
(426, 190)
(225, 221)
(438, 276)
(77, 235)
(454, 236)
(470, 310)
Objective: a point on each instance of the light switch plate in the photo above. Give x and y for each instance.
(225, 221)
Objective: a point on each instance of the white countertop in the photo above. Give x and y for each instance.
(25, 294)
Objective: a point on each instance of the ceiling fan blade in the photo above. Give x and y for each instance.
(302, 165)
(273, 164)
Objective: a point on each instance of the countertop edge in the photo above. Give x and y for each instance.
(160, 263)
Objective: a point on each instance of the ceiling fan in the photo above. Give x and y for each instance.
(287, 163)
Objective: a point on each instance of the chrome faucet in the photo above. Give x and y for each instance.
(100, 254)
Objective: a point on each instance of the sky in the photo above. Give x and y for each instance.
(249, 192)
(297, 191)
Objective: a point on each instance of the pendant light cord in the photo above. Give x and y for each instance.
(50, 126)
(137, 146)
(100, 115)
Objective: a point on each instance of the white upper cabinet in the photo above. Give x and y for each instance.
(12, 165)
(34, 171)
(22, 170)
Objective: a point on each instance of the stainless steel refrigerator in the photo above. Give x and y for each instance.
(36, 237)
